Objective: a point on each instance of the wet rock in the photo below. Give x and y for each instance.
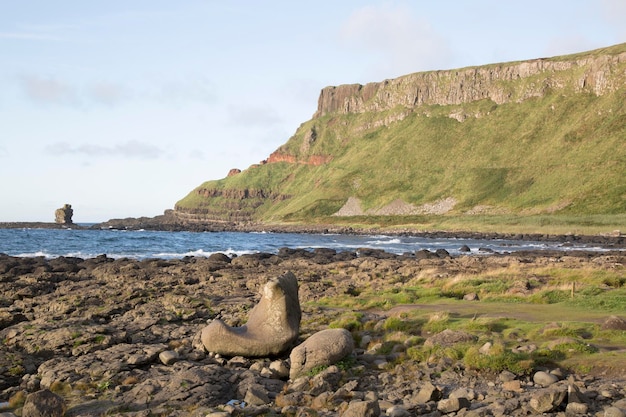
(272, 327)
(219, 257)
(424, 254)
(321, 349)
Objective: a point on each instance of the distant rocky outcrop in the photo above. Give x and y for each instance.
(64, 214)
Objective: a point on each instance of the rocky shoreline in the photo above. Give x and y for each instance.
(121, 337)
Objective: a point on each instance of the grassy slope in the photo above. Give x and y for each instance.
(563, 154)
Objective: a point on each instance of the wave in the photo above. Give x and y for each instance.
(202, 253)
(35, 255)
(389, 241)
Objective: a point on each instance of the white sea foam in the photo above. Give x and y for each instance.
(389, 241)
(35, 255)
(201, 253)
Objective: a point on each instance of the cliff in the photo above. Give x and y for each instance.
(538, 136)
(500, 83)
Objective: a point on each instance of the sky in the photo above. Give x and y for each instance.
(121, 108)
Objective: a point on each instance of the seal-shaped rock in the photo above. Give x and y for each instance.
(272, 327)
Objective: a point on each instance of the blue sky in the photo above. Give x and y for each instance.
(121, 108)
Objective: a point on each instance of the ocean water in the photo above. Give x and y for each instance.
(52, 243)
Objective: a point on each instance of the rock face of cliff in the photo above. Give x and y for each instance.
(501, 83)
(531, 137)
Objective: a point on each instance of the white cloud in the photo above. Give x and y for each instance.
(403, 43)
(129, 149)
(56, 91)
(47, 89)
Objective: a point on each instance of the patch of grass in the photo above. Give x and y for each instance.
(17, 400)
(396, 324)
(610, 301)
(498, 360)
(350, 321)
(103, 385)
(437, 322)
(575, 347)
(434, 353)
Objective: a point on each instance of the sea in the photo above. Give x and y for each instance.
(143, 244)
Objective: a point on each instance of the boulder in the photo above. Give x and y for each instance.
(544, 378)
(428, 392)
(43, 403)
(547, 400)
(362, 409)
(271, 329)
(321, 349)
(452, 405)
(449, 338)
(614, 323)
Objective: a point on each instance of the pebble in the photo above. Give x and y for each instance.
(168, 357)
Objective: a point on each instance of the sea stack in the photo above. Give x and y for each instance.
(64, 214)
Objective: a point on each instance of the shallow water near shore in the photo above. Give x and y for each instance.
(142, 244)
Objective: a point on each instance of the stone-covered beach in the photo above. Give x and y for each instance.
(122, 337)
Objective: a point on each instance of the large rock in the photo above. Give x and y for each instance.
(547, 400)
(321, 349)
(64, 214)
(614, 323)
(362, 409)
(272, 327)
(449, 338)
(43, 403)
